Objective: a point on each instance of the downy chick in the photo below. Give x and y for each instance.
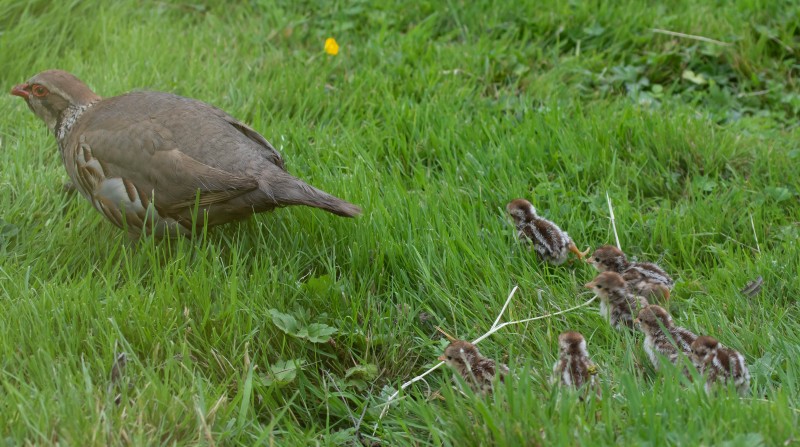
(477, 370)
(663, 337)
(573, 368)
(720, 364)
(617, 303)
(643, 278)
(550, 242)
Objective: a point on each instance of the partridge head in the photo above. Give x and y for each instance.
(550, 242)
(477, 370)
(148, 160)
(643, 278)
(573, 368)
(663, 337)
(608, 258)
(703, 349)
(617, 303)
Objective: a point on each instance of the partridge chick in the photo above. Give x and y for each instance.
(662, 337)
(720, 364)
(148, 160)
(643, 278)
(477, 370)
(573, 368)
(549, 241)
(617, 303)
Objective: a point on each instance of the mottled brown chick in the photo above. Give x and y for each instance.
(662, 337)
(477, 370)
(643, 278)
(550, 242)
(720, 364)
(574, 368)
(617, 303)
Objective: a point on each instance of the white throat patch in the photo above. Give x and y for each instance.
(71, 115)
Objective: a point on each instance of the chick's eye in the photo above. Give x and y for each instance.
(597, 259)
(599, 286)
(449, 358)
(39, 90)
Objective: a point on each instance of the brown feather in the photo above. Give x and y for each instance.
(177, 152)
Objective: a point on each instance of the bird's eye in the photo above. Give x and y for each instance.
(39, 90)
(597, 259)
(449, 358)
(599, 286)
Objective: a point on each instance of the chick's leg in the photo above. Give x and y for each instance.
(665, 293)
(578, 253)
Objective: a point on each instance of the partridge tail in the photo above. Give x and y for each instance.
(293, 191)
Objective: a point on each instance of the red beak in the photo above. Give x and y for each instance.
(20, 91)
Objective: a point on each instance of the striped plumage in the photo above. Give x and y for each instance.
(720, 364)
(643, 278)
(617, 304)
(550, 242)
(663, 337)
(477, 370)
(573, 368)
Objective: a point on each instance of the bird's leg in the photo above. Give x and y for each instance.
(578, 253)
(69, 187)
(449, 337)
(665, 293)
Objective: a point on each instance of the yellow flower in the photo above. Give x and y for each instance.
(331, 47)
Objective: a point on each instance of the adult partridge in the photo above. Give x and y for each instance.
(145, 159)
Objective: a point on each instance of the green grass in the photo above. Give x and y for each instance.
(432, 117)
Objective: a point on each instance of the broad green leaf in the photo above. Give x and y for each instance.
(283, 372)
(7, 231)
(367, 372)
(750, 439)
(317, 332)
(594, 30)
(693, 77)
(285, 322)
(778, 193)
(320, 285)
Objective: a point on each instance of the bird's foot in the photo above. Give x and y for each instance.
(578, 253)
(69, 187)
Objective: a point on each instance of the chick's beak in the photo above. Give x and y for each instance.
(19, 90)
(441, 358)
(589, 285)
